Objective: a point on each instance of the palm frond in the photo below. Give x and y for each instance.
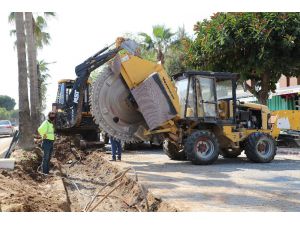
(49, 14)
(41, 22)
(12, 32)
(148, 42)
(11, 17)
(158, 31)
(162, 35)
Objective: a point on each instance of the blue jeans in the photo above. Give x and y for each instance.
(116, 148)
(47, 148)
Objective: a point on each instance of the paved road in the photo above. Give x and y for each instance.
(4, 144)
(228, 185)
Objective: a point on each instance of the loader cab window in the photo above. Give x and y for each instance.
(186, 100)
(224, 89)
(197, 96)
(224, 96)
(191, 110)
(206, 96)
(182, 86)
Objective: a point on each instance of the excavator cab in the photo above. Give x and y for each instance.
(85, 125)
(63, 94)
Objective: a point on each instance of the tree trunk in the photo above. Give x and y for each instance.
(160, 56)
(263, 94)
(32, 68)
(26, 139)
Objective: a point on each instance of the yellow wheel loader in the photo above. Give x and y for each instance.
(195, 114)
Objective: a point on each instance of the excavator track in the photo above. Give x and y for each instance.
(110, 102)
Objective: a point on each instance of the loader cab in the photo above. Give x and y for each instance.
(207, 96)
(63, 92)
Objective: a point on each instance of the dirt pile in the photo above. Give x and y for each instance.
(64, 149)
(79, 181)
(24, 189)
(85, 179)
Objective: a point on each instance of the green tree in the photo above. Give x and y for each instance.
(158, 42)
(176, 53)
(258, 46)
(12, 115)
(7, 102)
(4, 114)
(43, 75)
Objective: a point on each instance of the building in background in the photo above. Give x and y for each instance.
(286, 96)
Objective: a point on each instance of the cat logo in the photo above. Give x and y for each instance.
(76, 96)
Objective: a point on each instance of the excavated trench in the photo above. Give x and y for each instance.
(81, 181)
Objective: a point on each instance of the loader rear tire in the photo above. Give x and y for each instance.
(202, 147)
(230, 153)
(260, 147)
(172, 151)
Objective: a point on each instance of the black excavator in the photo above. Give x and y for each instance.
(73, 112)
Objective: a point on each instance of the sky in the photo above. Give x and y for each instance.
(80, 30)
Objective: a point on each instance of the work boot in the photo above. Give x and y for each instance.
(112, 160)
(119, 158)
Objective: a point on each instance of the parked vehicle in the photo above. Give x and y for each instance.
(6, 128)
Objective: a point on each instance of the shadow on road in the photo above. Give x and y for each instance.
(259, 186)
(221, 165)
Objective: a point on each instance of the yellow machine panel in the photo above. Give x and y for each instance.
(285, 120)
(135, 70)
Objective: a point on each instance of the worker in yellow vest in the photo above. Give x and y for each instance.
(46, 130)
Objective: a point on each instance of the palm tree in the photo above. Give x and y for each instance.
(175, 57)
(40, 24)
(32, 69)
(36, 38)
(159, 41)
(24, 112)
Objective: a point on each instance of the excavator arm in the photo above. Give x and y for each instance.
(71, 115)
(84, 70)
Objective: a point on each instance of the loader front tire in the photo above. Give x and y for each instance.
(202, 147)
(172, 151)
(260, 147)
